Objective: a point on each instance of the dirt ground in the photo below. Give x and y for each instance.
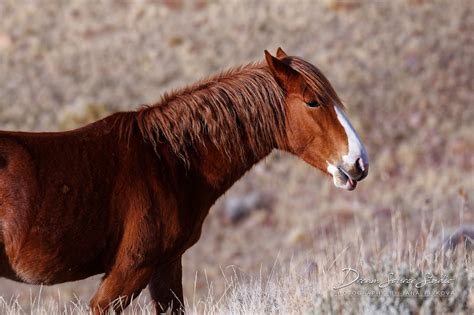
(405, 70)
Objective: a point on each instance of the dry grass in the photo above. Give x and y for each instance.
(404, 68)
(305, 284)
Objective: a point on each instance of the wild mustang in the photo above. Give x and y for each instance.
(127, 195)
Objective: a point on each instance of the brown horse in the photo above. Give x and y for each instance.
(127, 195)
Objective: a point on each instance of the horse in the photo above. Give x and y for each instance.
(127, 195)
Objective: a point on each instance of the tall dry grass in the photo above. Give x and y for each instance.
(305, 284)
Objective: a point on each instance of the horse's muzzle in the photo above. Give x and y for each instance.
(346, 176)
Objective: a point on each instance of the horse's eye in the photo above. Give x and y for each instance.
(313, 104)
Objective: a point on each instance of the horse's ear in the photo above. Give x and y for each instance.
(282, 72)
(281, 54)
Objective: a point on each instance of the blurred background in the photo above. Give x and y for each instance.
(404, 68)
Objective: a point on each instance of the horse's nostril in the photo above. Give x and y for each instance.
(361, 169)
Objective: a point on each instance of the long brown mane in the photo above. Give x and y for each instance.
(243, 104)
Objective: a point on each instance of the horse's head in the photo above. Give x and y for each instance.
(317, 129)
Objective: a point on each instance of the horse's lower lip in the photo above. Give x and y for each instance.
(351, 184)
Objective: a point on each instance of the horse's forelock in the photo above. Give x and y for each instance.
(315, 79)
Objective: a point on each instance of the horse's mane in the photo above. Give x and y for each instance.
(236, 109)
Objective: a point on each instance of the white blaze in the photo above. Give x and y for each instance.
(356, 148)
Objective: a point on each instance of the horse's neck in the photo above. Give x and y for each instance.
(216, 173)
(233, 121)
(197, 185)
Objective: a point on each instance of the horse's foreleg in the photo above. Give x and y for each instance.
(166, 288)
(119, 288)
